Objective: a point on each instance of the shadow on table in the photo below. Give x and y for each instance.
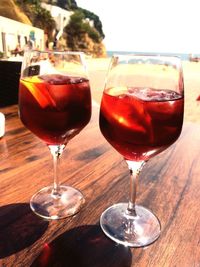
(19, 228)
(84, 246)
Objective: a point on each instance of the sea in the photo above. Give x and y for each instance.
(184, 57)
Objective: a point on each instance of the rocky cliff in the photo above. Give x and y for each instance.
(9, 9)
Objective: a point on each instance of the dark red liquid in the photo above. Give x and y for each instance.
(55, 107)
(141, 124)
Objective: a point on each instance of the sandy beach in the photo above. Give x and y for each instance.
(97, 69)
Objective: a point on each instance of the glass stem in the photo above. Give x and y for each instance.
(56, 151)
(135, 168)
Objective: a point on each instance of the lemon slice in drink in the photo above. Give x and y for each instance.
(118, 90)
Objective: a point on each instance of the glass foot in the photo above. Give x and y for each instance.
(49, 206)
(137, 231)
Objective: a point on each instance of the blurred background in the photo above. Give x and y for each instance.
(49, 24)
(100, 29)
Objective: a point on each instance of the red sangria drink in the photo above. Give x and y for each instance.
(141, 122)
(55, 105)
(141, 115)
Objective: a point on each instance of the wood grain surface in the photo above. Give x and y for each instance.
(169, 185)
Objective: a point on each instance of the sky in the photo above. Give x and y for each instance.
(148, 25)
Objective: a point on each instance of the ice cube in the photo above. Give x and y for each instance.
(150, 94)
(56, 79)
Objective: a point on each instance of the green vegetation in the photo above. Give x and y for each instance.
(67, 4)
(40, 17)
(76, 30)
(72, 5)
(95, 18)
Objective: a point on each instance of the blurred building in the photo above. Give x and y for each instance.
(61, 17)
(15, 35)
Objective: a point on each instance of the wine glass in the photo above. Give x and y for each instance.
(55, 105)
(141, 115)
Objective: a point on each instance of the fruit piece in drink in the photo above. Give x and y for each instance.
(141, 122)
(55, 107)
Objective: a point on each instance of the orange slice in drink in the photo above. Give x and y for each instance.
(34, 84)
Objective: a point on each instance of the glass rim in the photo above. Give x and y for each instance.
(141, 55)
(54, 52)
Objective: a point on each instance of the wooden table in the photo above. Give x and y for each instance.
(169, 185)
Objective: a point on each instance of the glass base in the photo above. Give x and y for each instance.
(134, 231)
(49, 206)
